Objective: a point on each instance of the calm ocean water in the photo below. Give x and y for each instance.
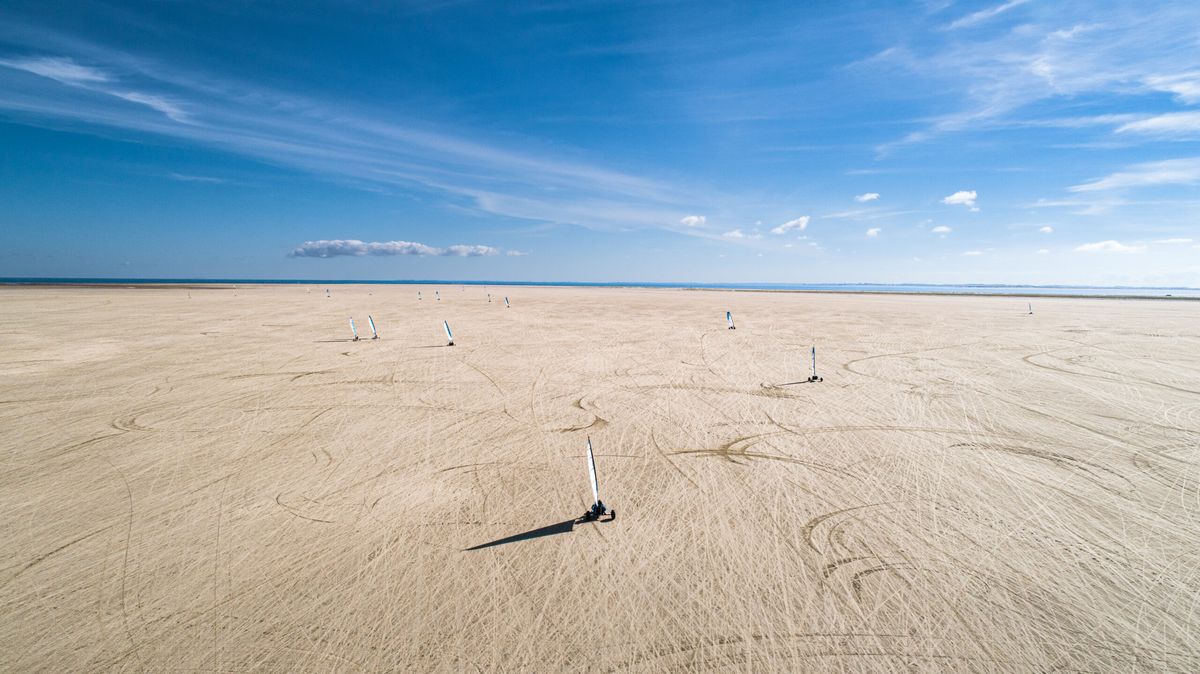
(970, 289)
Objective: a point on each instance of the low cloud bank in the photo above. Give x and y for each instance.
(353, 247)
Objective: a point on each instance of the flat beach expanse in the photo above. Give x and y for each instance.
(225, 482)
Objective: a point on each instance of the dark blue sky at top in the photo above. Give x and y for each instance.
(1012, 142)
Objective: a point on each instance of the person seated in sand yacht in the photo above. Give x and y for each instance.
(597, 511)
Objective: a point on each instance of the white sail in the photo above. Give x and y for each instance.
(592, 473)
(372, 322)
(449, 335)
(506, 302)
(729, 318)
(814, 361)
(353, 329)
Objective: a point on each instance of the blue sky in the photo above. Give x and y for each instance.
(1019, 141)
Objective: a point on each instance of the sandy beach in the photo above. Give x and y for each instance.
(218, 479)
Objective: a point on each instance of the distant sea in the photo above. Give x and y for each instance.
(922, 288)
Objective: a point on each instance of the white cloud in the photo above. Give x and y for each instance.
(158, 103)
(985, 14)
(1169, 172)
(336, 247)
(1170, 124)
(739, 234)
(62, 70)
(1185, 86)
(353, 247)
(869, 196)
(799, 223)
(459, 250)
(1043, 251)
(963, 198)
(1088, 206)
(1109, 246)
(335, 139)
(860, 214)
(1046, 230)
(973, 253)
(183, 177)
(692, 220)
(874, 231)
(1173, 241)
(517, 253)
(67, 71)
(941, 229)
(1002, 75)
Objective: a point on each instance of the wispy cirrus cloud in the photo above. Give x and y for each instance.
(1174, 124)
(1168, 172)
(1185, 86)
(355, 248)
(66, 71)
(869, 196)
(1012, 74)
(58, 68)
(159, 103)
(366, 148)
(984, 15)
(1082, 205)
(186, 178)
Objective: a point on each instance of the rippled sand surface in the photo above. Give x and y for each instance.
(223, 482)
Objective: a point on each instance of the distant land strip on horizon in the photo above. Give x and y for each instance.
(1001, 290)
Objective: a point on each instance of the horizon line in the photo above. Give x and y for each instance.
(750, 285)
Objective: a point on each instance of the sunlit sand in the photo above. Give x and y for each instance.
(227, 483)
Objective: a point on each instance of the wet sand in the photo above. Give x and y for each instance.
(225, 482)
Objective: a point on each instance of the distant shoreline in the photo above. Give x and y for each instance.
(917, 289)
